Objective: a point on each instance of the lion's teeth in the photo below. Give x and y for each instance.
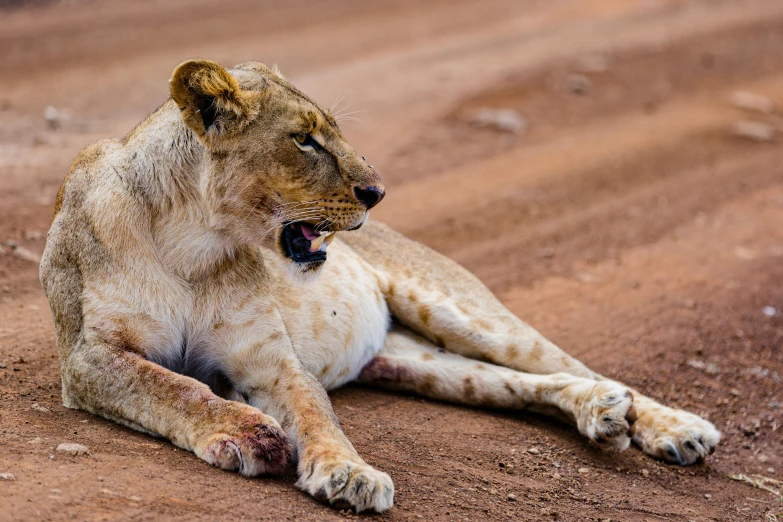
(316, 243)
(330, 237)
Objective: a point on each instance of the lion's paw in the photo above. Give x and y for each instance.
(675, 436)
(608, 415)
(256, 446)
(349, 485)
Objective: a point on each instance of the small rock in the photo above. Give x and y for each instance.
(708, 368)
(707, 496)
(2, 365)
(583, 470)
(762, 458)
(38, 407)
(54, 117)
(533, 451)
(556, 476)
(735, 392)
(645, 473)
(771, 470)
(7, 476)
(28, 255)
(512, 497)
(506, 120)
(753, 130)
(750, 101)
(770, 311)
(33, 235)
(579, 84)
(756, 371)
(73, 449)
(36, 440)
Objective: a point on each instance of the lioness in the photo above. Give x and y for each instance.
(180, 272)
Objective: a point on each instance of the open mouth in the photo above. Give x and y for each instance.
(303, 243)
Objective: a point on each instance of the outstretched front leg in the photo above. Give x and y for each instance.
(603, 411)
(257, 356)
(443, 302)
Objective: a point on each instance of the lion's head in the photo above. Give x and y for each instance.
(278, 168)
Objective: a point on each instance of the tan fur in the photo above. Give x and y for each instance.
(177, 314)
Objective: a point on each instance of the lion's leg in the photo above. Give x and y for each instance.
(602, 410)
(266, 371)
(126, 388)
(448, 305)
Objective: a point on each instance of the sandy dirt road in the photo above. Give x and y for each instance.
(627, 224)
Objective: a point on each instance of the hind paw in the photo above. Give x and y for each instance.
(675, 436)
(608, 415)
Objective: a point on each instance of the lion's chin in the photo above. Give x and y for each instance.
(305, 272)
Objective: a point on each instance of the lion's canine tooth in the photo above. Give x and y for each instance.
(316, 243)
(330, 237)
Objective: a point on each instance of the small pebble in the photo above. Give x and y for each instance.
(38, 407)
(750, 101)
(73, 449)
(769, 311)
(512, 497)
(753, 130)
(533, 451)
(7, 476)
(583, 470)
(506, 120)
(54, 117)
(579, 84)
(707, 496)
(645, 473)
(36, 440)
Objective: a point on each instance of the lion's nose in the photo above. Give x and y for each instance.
(369, 196)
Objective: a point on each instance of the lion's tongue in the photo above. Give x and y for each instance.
(308, 232)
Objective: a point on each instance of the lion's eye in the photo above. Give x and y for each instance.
(307, 142)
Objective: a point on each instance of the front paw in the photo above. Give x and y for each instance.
(347, 484)
(675, 436)
(251, 443)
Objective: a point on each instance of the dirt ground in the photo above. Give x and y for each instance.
(627, 223)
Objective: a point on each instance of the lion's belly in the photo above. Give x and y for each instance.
(338, 320)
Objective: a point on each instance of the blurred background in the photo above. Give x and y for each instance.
(612, 169)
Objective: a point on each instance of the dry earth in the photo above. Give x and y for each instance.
(627, 223)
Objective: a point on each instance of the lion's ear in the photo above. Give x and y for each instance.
(211, 101)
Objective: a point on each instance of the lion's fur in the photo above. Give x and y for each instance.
(175, 312)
